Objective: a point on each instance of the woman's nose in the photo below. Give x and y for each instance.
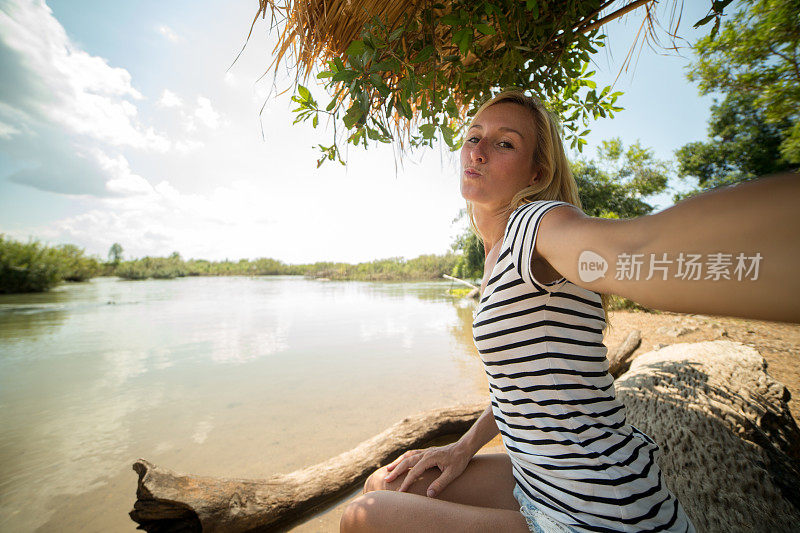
(477, 153)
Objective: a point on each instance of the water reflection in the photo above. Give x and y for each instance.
(462, 329)
(29, 321)
(216, 376)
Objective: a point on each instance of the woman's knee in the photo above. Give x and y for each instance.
(351, 516)
(362, 514)
(376, 480)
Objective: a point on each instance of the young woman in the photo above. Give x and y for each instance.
(572, 461)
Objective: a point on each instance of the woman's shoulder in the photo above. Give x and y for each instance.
(537, 206)
(531, 212)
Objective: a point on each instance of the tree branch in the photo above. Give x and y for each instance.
(791, 61)
(608, 18)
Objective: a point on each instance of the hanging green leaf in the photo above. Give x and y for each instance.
(356, 48)
(423, 54)
(485, 29)
(345, 76)
(452, 20)
(428, 130)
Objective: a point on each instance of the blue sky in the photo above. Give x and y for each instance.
(119, 122)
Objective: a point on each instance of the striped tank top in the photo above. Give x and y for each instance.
(572, 451)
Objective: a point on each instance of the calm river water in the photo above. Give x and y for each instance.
(237, 377)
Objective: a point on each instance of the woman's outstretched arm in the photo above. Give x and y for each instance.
(734, 252)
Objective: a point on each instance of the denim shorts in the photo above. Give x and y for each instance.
(538, 522)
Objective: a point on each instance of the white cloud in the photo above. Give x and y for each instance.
(206, 114)
(169, 99)
(123, 181)
(7, 131)
(161, 219)
(59, 104)
(81, 92)
(167, 32)
(188, 146)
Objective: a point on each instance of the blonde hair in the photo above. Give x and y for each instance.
(549, 162)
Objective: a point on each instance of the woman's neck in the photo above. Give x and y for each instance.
(491, 225)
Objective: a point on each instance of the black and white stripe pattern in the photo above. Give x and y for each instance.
(553, 399)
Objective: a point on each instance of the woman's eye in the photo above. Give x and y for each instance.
(503, 144)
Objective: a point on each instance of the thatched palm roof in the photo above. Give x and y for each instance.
(319, 30)
(405, 52)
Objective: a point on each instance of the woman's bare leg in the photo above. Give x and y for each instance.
(480, 499)
(385, 511)
(486, 482)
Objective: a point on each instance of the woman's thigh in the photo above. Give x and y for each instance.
(486, 482)
(399, 512)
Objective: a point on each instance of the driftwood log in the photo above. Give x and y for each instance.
(475, 293)
(169, 501)
(463, 282)
(619, 359)
(730, 452)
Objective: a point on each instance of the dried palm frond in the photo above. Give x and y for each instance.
(319, 30)
(540, 41)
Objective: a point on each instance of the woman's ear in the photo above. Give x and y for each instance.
(534, 178)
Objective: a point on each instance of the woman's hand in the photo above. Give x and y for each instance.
(451, 459)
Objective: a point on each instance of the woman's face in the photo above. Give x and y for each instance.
(497, 155)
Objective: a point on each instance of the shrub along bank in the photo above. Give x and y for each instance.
(34, 267)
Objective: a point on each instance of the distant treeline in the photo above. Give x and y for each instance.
(34, 267)
(397, 268)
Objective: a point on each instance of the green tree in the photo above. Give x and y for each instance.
(115, 253)
(758, 53)
(74, 266)
(742, 146)
(615, 185)
(28, 267)
(471, 256)
(755, 63)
